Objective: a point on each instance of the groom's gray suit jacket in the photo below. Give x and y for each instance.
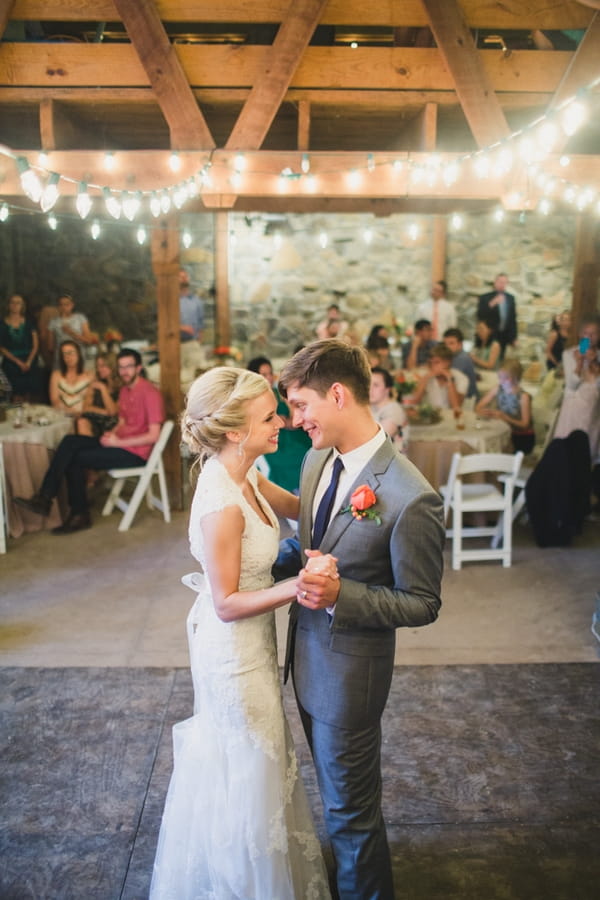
(390, 577)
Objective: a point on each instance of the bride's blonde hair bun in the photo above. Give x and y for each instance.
(216, 404)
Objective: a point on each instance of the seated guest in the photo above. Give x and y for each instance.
(377, 331)
(453, 339)
(416, 352)
(19, 347)
(322, 329)
(557, 339)
(378, 352)
(513, 405)
(129, 445)
(441, 385)
(385, 408)
(68, 326)
(69, 382)
(99, 412)
(487, 351)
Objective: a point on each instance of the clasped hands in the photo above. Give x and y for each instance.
(318, 583)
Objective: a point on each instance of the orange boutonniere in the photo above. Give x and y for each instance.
(362, 502)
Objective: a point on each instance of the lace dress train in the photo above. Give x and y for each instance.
(236, 824)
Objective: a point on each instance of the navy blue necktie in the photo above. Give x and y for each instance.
(326, 505)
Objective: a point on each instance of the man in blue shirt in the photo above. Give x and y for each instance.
(191, 310)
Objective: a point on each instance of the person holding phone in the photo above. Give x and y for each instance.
(580, 407)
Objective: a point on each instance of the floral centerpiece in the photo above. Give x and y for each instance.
(227, 355)
(404, 385)
(428, 414)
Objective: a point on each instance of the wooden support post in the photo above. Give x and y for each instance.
(222, 312)
(165, 264)
(586, 271)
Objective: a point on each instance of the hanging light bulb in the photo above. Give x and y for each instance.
(131, 204)
(4, 212)
(50, 192)
(354, 179)
(155, 208)
(29, 180)
(564, 161)
(174, 162)
(186, 239)
(310, 184)
(397, 166)
(141, 235)
(456, 222)
(544, 206)
(305, 164)
(573, 116)
(53, 222)
(165, 202)
(109, 161)
(282, 183)
(481, 165)
(239, 162)
(83, 202)
(95, 230)
(323, 240)
(236, 180)
(180, 195)
(43, 159)
(277, 240)
(368, 235)
(192, 187)
(112, 203)
(498, 214)
(413, 231)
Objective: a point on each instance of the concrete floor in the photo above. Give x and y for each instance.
(103, 598)
(491, 736)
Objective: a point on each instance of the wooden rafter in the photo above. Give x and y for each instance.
(474, 88)
(281, 61)
(187, 125)
(583, 67)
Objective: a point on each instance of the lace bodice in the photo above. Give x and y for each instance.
(215, 491)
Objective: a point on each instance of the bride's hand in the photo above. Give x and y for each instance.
(322, 563)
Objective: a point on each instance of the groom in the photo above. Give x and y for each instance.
(388, 540)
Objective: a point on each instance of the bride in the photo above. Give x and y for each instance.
(236, 824)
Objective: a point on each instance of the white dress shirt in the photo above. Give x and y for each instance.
(446, 315)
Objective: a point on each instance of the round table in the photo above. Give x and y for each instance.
(26, 453)
(431, 447)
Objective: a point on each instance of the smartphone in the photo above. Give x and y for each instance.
(584, 345)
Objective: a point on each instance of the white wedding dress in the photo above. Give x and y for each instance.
(236, 824)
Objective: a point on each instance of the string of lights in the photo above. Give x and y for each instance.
(527, 150)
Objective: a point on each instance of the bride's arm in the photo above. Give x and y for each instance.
(282, 502)
(222, 533)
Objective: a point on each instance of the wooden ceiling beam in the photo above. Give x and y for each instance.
(359, 99)
(63, 65)
(511, 14)
(187, 125)
(474, 87)
(280, 63)
(583, 67)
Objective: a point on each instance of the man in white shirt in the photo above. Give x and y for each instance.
(440, 312)
(442, 385)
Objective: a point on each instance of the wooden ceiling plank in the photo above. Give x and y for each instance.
(174, 95)
(546, 14)
(394, 69)
(474, 87)
(280, 63)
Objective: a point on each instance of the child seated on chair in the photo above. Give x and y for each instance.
(513, 405)
(128, 445)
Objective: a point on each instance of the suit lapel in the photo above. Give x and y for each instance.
(376, 466)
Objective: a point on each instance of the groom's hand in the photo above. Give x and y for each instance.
(316, 591)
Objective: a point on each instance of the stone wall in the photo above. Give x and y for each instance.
(286, 269)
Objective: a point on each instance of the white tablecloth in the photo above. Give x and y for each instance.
(26, 459)
(431, 447)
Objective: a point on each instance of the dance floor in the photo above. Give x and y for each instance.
(491, 780)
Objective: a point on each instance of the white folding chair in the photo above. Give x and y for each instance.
(3, 506)
(483, 497)
(153, 466)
